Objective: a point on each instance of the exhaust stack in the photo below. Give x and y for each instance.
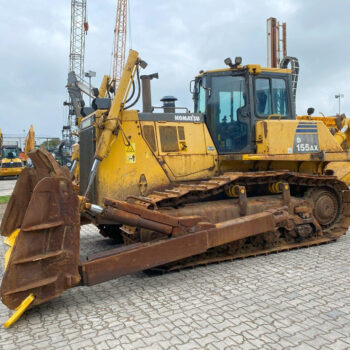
(146, 92)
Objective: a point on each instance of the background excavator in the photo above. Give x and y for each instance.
(240, 176)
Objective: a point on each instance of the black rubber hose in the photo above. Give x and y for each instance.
(138, 92)
(132, 94)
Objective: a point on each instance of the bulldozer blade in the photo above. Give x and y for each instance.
(45, 255)
(16, 208)
(45, 166)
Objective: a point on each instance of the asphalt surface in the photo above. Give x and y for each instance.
(7, 185)
(292, 300)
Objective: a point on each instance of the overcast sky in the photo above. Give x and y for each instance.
(177, 38)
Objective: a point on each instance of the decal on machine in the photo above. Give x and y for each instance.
(130, 152)
(172, 117)
(306, 138)
(187, 118)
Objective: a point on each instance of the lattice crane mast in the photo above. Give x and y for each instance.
(119, 40)
(79, 28)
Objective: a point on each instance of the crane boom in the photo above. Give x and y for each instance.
(119, 40)
(78, 31)
(79, 28)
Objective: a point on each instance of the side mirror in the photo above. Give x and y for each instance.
(95, 92)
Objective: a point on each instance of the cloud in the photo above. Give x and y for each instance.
(177, 38)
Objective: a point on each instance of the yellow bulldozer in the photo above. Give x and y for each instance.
(241, 176)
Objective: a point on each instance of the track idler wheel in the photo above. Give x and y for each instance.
(326, 206)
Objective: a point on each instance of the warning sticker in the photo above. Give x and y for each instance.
(130, 148)
(131, 158)
(130, 152)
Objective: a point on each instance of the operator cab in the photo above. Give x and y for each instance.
(234, 99)
(9, 152)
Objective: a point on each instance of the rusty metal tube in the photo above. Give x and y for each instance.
(146, 94)
(126, 218)
(227, 209)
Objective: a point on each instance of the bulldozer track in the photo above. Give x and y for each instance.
(303, 185)
(192, 193)
(215, 260)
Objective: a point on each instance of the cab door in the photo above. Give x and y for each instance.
(228, 116)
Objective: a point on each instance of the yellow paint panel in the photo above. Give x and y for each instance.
(119, 177)
(278, 137)
(190, 167)
(341, 170)
(328, 121)
(197, 160)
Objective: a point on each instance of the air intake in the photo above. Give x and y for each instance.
(169, 104)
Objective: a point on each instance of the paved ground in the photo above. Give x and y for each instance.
(294, 300)
(6, 186)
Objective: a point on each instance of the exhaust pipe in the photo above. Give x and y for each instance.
(146, 92)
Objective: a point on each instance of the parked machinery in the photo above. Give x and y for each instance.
(240, 176)
(10, 162)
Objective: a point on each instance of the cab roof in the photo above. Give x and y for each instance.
(253, 69)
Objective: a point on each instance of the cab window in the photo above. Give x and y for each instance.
(201, 101)
(263, 96)
(9, 153)
(200, 104)
(279, 97)
(271, 97)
